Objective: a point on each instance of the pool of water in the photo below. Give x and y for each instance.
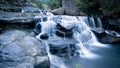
(96, 56)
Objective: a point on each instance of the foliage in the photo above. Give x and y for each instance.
(98, 7)
(88, 6)
(38, 4)
(53, 4)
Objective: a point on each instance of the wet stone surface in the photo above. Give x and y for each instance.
(62, 47)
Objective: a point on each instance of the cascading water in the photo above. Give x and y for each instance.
(91, 22)
(99, 23)
(81, 32)
(55, 61)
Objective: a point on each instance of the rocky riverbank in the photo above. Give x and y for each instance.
(19, 48)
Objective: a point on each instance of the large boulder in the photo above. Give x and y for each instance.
(59, 11)
(68, 8)
(19, 48)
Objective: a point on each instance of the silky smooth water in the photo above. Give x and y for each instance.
(97, 57)
(91, 53)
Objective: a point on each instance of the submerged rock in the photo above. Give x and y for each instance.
(62, 47)
(18, 48)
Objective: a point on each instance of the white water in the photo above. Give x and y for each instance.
(48, 27)
(91, 23)
(99, 23)
(82, 33)
(54, 60)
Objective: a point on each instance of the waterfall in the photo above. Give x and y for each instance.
(81, 27)
(99, 22)
(91, 22)
(49, 13)
(54, 60)
(48, 27)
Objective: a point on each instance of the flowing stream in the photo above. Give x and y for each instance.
(89, 53)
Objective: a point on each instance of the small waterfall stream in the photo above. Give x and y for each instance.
(81, 27)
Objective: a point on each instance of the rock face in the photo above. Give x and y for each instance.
(68, 8)
(19, 49)
(18, 19)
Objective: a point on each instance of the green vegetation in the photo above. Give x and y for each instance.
(99, 7)
(89, 7)
(38, 4)
(53, 4)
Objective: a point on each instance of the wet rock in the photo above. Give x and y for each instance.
(20, 49)
(111, 24)
(68, 50)
(44, 60)
(1, 30)
(37, 29)
(44, 36)
(62, 47)
(63, 32)
(107, 37)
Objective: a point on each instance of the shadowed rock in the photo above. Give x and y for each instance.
(107, 36)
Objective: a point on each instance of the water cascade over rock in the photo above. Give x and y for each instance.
(91, 22)
(66, 37)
